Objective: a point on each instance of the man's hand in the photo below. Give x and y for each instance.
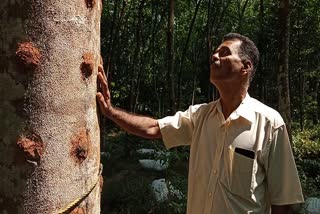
(142, 126)
(103, 95)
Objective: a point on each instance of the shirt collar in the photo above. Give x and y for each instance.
(244, 110)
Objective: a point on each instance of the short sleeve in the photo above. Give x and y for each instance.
(177, 130)
(282, 176)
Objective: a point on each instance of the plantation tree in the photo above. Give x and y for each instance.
(304, 62)
(170, 57)
(49, 132)
(283, 74)
(185, 48)
(136, 67)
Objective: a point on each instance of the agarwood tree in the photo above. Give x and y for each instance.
(49, 132)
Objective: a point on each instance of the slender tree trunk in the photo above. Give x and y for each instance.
(302, 95)
(49, 136)
(137, 54)
(194, 79)
(216, 24)
(261, 44)
(140, 72)
(213, 30)
(170, 57)
(241, 11)
(283, 73)
(185, 52)
(153, 63)
(114, 32)
(209, 45)
(317, 98)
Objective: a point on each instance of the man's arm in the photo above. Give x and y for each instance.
(285, 192)
(142, 126)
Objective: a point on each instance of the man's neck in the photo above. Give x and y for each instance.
(230, 99)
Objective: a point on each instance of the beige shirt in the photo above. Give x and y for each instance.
(224, 178)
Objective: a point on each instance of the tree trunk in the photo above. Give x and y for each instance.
(317, 98)
(241, 11)
(214, 22)
(261, 80)
(136, 57)
(184, 52)
(170, 57)
(302, 95)
(209, 45)
(49, 136)
(283, 74)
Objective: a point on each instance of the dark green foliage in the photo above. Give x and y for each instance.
(306, 146)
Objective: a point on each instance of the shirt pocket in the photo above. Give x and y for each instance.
(237, 173)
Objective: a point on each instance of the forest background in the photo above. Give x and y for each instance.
(156, 55)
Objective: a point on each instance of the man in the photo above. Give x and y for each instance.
(240, 156)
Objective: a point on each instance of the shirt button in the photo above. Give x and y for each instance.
(210, 194)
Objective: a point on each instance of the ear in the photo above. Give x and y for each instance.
(247, 67)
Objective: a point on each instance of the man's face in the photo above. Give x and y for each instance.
(226, 64)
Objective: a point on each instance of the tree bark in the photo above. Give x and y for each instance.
(49, 135)
(283, 74)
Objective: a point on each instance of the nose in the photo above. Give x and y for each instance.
(214, 57)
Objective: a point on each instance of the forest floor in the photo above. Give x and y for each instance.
(127, 185)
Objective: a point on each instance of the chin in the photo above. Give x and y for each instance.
(213, 80)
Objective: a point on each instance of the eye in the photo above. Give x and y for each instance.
(224, 52)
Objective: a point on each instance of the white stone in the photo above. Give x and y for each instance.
(175, 191)
(161, 190)
(158, 165)
(146, 151)
(313, 205)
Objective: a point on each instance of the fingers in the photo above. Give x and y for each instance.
(101, 70)
(103, 78)
(101, 99)
(102, 103)
(103, 83)
(104, 86)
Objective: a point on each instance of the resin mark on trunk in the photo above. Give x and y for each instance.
(80, 146)
(32, 147)
(87, 65)
(28, 55)
(90, 3)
